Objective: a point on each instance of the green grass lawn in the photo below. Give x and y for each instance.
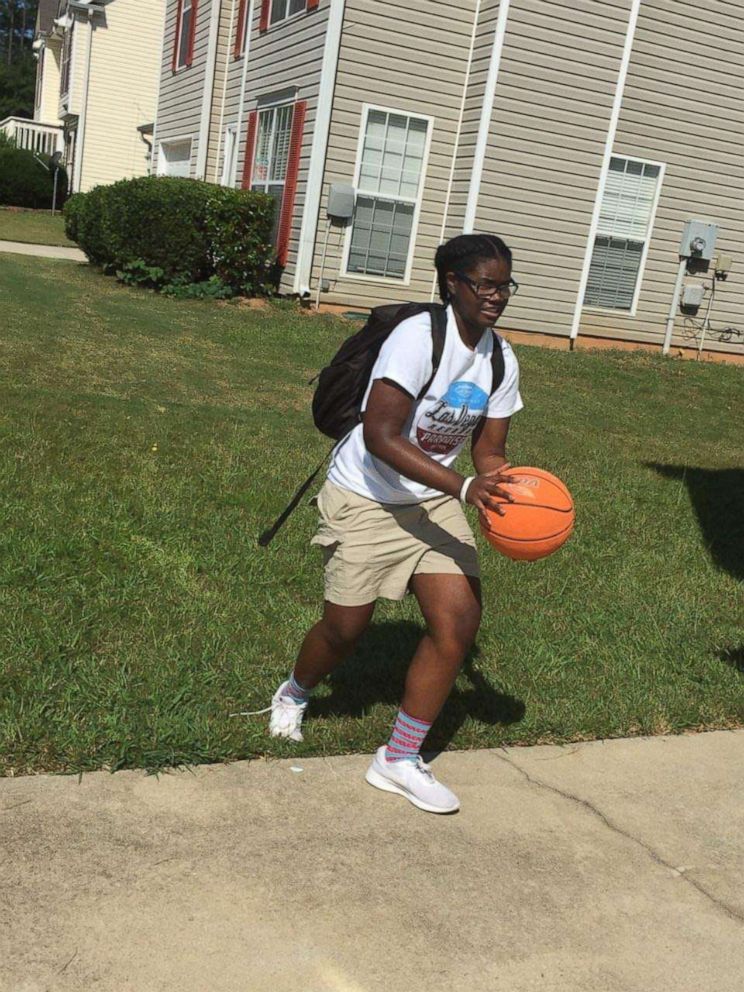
(144, 444)
(36, 227)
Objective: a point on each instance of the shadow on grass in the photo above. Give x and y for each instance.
(717, 497)
(733, 657)
(376, 673)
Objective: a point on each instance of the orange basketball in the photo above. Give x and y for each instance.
(539, 520)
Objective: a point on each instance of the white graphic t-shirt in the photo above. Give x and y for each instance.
(441, 421)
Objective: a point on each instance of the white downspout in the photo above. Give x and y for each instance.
(485, 119)
(456, 148)
(321, 129)
(206, 108)
(609, 145)
(80, 137)
(246, 58)
(154, 159)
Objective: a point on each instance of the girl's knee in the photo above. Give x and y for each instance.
(456, 632)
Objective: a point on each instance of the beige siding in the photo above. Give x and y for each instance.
(181, 93)
(476, 89)
(410, 58)
(74, 101)
(225, 43)
(288, 55)
(125, 67)
(47, 110)
(552, 110)
(694, 122)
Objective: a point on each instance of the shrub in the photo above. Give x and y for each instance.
(85, 215)
(167, 232)
(24, 182)
(239, 226)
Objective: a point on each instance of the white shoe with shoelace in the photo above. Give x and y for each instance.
(414, 780)
(286, 715)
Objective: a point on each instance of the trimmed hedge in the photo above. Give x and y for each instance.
(24, 182)
(167, 232)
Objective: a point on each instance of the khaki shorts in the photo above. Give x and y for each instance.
(372, 549)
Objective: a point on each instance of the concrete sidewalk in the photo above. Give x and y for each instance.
(604, 867)
(43, 251)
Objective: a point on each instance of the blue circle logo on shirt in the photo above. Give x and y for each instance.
(467, 394)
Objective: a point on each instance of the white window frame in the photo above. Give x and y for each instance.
(273, 105)
(287, 17)
(363, 276)
(179, 29)
(647, 242)
(230, 161)
(179, 140)
(71, 33)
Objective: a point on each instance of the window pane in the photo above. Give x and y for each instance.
(613, 273)
(183, 41)
(280, 149)
(278, 10)
(392, 155)
(380, 237)
(628, 199)
(263, 147)
(295, 6)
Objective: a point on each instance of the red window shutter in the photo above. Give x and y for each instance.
(312, 4)
(192, 32)
(290, 182)
(240, 34)
(250, 149)
(263, 24)
(177, 35)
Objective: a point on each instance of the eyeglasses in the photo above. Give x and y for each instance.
(484, 290)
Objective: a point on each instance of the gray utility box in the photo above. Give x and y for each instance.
(692, 296)
(698, 239)
(341, 201)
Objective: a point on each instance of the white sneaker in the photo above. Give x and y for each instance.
(286, 715)
(414, 780)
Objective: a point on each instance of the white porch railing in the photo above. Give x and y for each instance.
(32, 135)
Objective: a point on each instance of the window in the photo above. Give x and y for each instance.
(272, 160)
(272, 154)
(175, 158)
(621, 243)
(282, 9)
(66, 64)
(184, 33)
(390, 167)
(39, 77)
(229, 162)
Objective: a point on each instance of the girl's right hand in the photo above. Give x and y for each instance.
(484, 488)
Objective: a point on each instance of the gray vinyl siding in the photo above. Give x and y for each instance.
(410, 58)
(288, 56)
(224, 59)
(684, 106)
(181, 92)
(476, 89)
(552, 109)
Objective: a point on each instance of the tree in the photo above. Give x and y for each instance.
(17, 62)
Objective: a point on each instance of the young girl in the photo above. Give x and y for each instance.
(390, 511)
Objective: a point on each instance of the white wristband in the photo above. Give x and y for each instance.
(464, 490)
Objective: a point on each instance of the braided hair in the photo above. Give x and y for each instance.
(464, 251)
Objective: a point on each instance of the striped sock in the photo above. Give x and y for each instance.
(407, 737)
(296, 691)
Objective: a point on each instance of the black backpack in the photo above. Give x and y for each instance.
(341, 385)
(338, 397)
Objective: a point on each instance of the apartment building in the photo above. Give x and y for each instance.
(97, 84)
(586, 133)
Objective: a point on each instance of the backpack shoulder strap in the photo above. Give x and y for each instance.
(438, 314)
(497, 363)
